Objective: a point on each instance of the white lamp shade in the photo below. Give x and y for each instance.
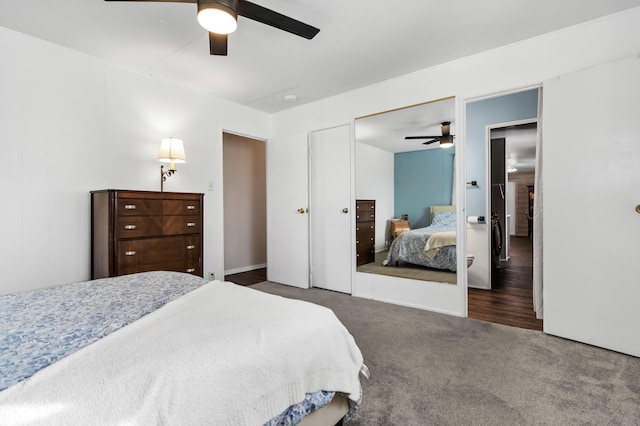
(172, 151)
(217, 21)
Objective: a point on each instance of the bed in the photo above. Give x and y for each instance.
(172, 348)
(432, 247)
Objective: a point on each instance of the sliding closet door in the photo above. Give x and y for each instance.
(591, 196)
(330, 208)
(287, 210)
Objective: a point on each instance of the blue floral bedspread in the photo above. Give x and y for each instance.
(294, 414)
(39, 327)
(409, 247)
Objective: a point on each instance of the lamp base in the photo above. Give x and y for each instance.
(164, 175)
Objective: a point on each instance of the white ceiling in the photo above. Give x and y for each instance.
(361, 42)
(387, 130)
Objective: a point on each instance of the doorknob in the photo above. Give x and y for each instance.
(345, 210)
(638, 208)
(301, 210)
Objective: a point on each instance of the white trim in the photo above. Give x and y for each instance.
(461, 206)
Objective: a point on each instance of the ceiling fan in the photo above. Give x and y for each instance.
(446, 140)
(219, 17)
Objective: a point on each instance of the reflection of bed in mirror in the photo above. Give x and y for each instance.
(433, 246)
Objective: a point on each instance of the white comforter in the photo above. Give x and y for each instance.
(222, 354)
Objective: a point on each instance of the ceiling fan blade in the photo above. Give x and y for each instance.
(218, 44)
(420, 137)
(275, 19)
(161, 1)
(431, 141)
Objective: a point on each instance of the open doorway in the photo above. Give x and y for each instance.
(502, 137)
(245, 209)
(512, 190)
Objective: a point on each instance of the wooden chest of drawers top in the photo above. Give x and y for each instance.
(128, 206)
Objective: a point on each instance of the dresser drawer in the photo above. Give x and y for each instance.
(365, 209)
(365, 216)
(138, 207)
(366, 230)
(151, 251)
(139, 226)
(176, 225)
(176, 265)
(365, 255)
(192, 247)
(179, 207)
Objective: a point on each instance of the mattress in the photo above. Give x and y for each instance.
(86, 342)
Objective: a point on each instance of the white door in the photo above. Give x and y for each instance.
(287, 205)
(591, 178)
(330, 208)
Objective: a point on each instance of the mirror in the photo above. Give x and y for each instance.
(404, 193)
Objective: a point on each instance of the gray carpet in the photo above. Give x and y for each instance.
(407, 270)
(428, 368)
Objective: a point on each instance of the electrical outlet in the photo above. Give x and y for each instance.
(211, 186)
(212, 276)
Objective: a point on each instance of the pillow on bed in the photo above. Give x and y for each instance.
(444, 219)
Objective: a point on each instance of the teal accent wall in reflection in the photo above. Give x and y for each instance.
(480, 114)
(422, 179)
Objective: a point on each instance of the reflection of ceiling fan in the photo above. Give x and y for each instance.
(219, 17)
(446, 140)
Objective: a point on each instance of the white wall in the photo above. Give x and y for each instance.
(70, 124)
(519, 65)
(374, 181)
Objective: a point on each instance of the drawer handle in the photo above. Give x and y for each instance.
(129, 206)
(130, 253)
(357, 241)
(371, 206)
(191, 224)
(357, 255)
(190, 247)
(371, 226)
(191, 270)
(371, 238)
(129, 227)
(191, 207)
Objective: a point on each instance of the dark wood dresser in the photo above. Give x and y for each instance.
(139, 231)
(365, 231)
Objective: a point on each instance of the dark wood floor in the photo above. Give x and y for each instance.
(510, 301)
(248, 278)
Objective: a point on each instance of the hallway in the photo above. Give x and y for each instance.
(510, 301)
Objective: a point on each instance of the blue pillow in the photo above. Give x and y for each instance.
(444, 219)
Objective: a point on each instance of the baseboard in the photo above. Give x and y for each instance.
(244, 269)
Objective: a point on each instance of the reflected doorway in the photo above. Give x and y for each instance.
(509, 301)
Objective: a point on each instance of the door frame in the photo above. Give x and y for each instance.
(462, 187)
(490, 128)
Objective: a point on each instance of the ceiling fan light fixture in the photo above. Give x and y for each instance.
(446, 141)
(220, 17)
